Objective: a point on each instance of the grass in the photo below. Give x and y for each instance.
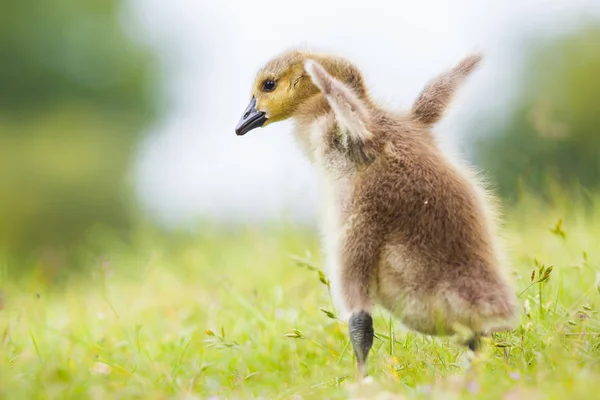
(245, 314)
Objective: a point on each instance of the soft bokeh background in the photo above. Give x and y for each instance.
(120, 114)
(148, 252)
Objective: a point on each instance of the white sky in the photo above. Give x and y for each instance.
(192, 164)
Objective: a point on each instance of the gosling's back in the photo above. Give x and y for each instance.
(440, 256)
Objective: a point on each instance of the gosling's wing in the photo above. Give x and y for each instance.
(350, 112)
(435, 97)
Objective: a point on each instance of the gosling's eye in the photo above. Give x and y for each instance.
(269, 86)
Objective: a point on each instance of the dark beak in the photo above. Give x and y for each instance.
(251, 119)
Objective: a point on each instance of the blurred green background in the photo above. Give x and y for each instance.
(76, 92)
(98, 301)
(551, 142)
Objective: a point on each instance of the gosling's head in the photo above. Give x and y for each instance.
(282, 86)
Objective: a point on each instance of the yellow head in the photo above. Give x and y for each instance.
(282, 86)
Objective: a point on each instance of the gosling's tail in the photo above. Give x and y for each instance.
(435, 97)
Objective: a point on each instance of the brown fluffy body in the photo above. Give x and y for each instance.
(403, 225)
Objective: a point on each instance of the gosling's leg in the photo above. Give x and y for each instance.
(361, 335)
(474, 344)
(361, 247)
(474, 348)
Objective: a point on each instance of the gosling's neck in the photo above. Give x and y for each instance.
(306, 119)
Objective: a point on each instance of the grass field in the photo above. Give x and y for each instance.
(244, 314)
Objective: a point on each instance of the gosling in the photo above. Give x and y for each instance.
(403, 226)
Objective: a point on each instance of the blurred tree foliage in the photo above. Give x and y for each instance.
(554, 134)
(75, 91)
